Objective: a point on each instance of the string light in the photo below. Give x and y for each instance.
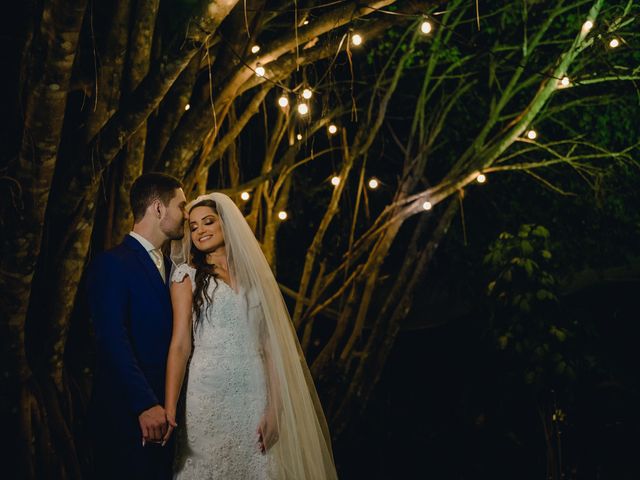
(332, 129)
(481, 178)
(335, 181)
(260, 71)
(565, 82)
(299, 136)
(255, 49)
(306, 22)
(427, 205)
(245, 196)
(373, 183)
(425, 27)
(307, 94)
(303, 108)
(356, 39)
(532, 134)
(187, 107)
(283, 101)
(614, 43)
(282, 215)
(586, 26)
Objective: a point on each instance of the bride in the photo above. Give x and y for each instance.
(251, 410)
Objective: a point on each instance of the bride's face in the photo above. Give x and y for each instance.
(206, 232)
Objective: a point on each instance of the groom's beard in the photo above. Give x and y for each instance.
(176, 233)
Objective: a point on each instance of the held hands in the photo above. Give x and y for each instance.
(153, 424)
(171, 421)
(267, 430)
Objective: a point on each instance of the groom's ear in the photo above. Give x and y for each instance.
(156, 208)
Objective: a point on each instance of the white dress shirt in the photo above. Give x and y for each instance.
(154, 253)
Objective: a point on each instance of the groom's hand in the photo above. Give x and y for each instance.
(153, 423)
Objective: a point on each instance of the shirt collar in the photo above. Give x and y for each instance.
(148, 246)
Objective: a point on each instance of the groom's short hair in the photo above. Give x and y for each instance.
(149, 187)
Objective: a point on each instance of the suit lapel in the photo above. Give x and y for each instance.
(167, 271)
(147, 264)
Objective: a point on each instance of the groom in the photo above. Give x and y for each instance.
(132, 318)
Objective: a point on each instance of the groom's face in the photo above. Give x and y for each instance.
(172, 221)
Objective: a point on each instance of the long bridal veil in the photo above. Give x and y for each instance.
(303, 447)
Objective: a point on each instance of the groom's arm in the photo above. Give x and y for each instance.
(109, 299)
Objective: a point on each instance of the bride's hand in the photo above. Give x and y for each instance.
(267, 430)
(171, 425)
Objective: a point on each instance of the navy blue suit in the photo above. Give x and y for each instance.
(132, 318)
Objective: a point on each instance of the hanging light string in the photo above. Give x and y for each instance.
(586, 28)
(426, 28)
(261, 72)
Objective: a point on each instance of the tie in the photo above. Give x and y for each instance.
(156, 256)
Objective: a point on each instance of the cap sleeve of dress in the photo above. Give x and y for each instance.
(183, 271)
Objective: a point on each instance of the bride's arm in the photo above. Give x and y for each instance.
(268, 428)
(179, 349)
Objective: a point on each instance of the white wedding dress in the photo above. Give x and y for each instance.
(225, 393)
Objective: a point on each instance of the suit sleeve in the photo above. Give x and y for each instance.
(109, 300)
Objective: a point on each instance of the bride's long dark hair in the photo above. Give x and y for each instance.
(204, 271)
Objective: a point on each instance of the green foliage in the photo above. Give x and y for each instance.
(527, 324)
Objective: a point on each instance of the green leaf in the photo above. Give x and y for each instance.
(526, 247)
(528, 266)
(543, 294)
(540, 231)
(524, 231)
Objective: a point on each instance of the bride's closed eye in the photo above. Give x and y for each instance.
(208, 221)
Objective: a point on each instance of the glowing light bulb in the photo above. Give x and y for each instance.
(356, 39)
(332, 129)
(373, 183)
(282, 215)
(307, 94)
(255, 49)
(481, 178)
(187, 107)
(425, 27)
(306, 22)
(614, 43)
(283, 101)
(427, 205)
(299, 136)
(586, 26)
(335, 181)
(303, 108)
(260, 71)
(565, 81)
(245, 196)
(532, 134)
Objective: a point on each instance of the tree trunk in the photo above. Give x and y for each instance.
(137, 68)
(51, 60)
